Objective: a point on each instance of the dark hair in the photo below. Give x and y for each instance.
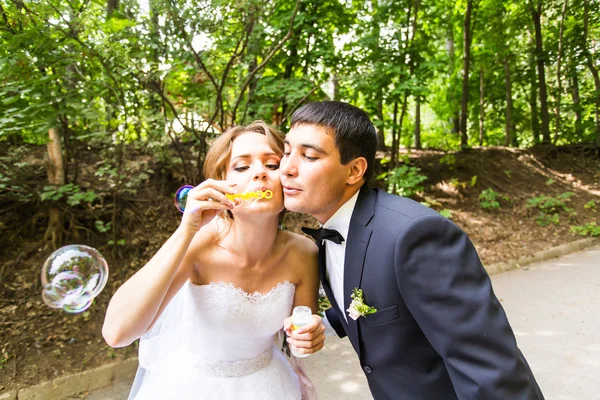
(353, 131)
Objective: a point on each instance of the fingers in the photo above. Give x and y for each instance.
(213, 191)
(314, 324)
(287, 325)
(307, 335)
(308, 339)
(214, 196)
(308, 346)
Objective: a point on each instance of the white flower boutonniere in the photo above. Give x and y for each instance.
(358, 308)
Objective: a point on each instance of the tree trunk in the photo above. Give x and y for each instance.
(409, 40)
(540, 57)
(336, 87)
(380, 132)
(509, 103)
(594, 72)
(558, 72)
(111, 6)
(454, 119)
(56, 177)
(395, 144)
(465, 85)
(280, 110)
(401, 121)
(592, 68)
(576, 102)
(418, 122)
(481, 106)
(535, 122)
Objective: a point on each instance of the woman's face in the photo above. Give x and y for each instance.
(254, 165)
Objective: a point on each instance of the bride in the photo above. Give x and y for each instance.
(208, 305)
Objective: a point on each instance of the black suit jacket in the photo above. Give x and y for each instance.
(439, 332)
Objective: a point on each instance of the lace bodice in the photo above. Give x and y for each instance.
(216, 342)
(211, 325)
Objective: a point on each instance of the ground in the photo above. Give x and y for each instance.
(38, 343)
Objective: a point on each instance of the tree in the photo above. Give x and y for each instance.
(467, 35)
(536, 13)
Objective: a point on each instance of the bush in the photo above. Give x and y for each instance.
(589, 229)
(404, 180)
(488, 199)
(550, 207)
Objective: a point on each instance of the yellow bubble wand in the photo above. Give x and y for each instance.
(258, 194)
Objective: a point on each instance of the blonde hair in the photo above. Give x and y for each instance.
(217, 158)
(219, 154)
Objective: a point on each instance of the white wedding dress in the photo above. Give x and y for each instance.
(216, 341)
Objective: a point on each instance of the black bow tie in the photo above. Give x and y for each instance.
(324, 233)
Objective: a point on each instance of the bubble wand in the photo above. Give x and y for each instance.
(182, 194)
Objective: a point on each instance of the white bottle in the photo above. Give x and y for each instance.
(301, 316)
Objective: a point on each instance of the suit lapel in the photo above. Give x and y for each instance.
(359, 236)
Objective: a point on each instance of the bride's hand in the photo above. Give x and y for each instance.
(308, 339)
(204, 202)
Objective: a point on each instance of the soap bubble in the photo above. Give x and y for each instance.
(72, 277)
(181, 197)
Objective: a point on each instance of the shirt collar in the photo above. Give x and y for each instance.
(340, 221)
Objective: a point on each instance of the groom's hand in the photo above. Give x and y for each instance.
(308, 339)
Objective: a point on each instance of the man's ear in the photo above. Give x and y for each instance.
(357, 170)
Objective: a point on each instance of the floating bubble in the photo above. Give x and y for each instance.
(72, 277)
(181, 197)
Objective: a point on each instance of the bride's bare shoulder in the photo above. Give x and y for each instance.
(206, 239)
(299, 245)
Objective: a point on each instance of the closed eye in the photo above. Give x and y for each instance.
(241, 169)
(273, 166)
(286, 154)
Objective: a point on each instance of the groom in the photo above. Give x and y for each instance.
(439, 332)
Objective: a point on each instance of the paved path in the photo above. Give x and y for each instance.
(553, 308)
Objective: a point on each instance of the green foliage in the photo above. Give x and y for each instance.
(590, 205)
(473, 180)
(171, 84)
(3, 359)
(589, 229)
(102, 226)
(488, 199)
(446, 213)
(448, 160)
(550, 207)
(429, 202)
(406, 180)
(72, 192)
(455, 182)
(111, 353)
(324, 304)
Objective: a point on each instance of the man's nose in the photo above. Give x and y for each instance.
(287, 167)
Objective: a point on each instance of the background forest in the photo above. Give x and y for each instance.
(486, 110)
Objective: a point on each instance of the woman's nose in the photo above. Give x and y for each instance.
(260, 173)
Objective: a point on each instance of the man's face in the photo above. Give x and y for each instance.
(312, 175)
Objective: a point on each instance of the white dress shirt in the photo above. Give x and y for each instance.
(335, 255)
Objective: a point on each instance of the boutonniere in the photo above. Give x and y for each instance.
(358, 308)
